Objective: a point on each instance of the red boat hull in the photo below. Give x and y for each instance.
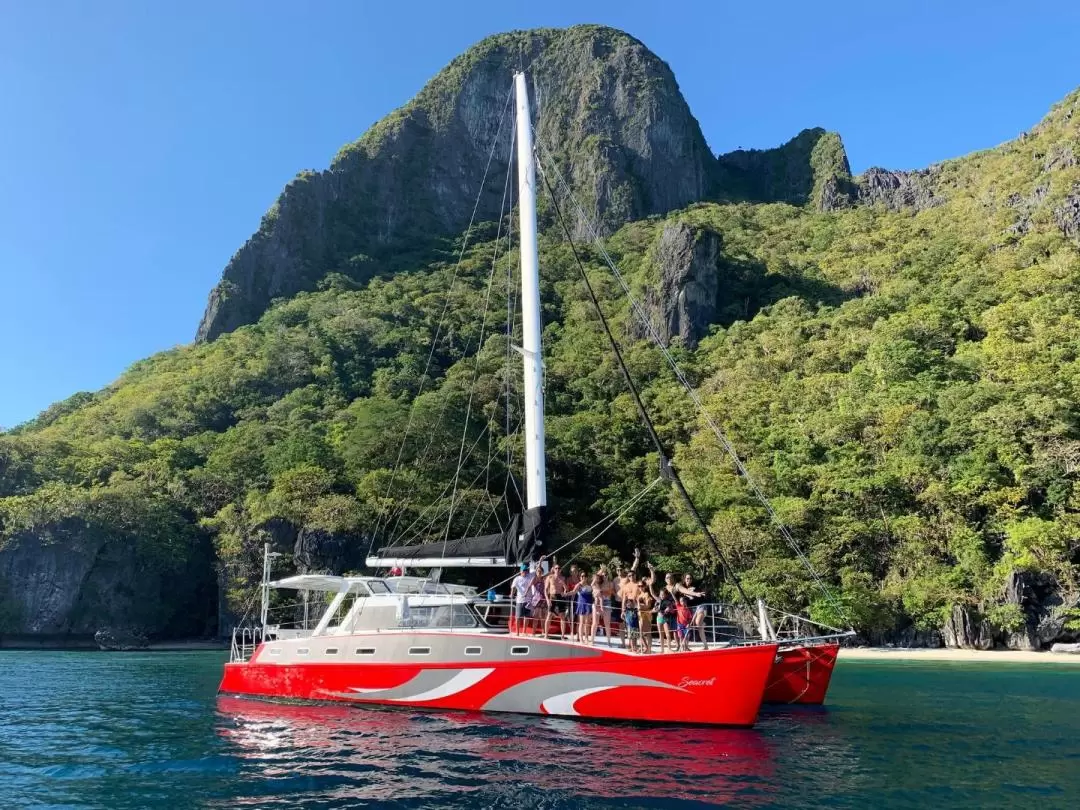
(722, 686)
(801, 674)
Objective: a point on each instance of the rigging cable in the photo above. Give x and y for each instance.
(721, 437)
(611, 518)
(667, 470)
(446, 305)
(479, 354)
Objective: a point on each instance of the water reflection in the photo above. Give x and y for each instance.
(352, 753)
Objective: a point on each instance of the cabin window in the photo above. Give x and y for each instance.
(474, 650)
(365, 650)
(330, 651)
(276, 651)
(419, 650)
(519, 650)
(452, 615)
(343, 609)
(302, 651)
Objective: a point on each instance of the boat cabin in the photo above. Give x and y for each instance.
(371, 604)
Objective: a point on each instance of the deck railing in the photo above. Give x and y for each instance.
(244, 642)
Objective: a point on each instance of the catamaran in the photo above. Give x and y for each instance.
(420, 643)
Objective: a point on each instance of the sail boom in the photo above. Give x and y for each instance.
(437, 562)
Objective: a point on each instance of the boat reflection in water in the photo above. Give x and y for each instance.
(338, 752)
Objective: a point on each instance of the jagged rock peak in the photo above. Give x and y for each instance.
(914, 190)
(609, 112)
(810, 168)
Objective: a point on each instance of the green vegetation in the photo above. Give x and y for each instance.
(903, 386)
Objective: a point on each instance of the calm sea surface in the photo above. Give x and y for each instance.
(146, 730)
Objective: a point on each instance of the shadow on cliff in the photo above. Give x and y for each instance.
(745, 287)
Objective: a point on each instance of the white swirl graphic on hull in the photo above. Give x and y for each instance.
(428, 684)
(564, 704)
(558, 692)
(459, 683)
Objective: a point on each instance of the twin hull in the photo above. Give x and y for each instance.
(501, 673)
(802, 673)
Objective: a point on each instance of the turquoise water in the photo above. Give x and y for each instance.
(146, 730)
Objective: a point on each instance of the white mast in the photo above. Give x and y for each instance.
(535, 489)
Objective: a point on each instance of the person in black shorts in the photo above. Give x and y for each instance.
(558, 603)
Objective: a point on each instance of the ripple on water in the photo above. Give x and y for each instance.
(146, 731)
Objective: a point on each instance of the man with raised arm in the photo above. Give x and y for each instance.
(630, 595)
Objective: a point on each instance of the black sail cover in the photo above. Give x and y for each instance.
(523, 541)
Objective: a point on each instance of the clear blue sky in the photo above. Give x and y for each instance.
(140, 142)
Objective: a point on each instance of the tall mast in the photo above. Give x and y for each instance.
(535, 488)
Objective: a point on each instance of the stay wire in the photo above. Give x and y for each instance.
(446, 302)
(721, 437)
(479, 353)
(611, 518)
(665, 464)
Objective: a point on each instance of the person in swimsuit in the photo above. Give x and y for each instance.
(630, 593)
(555, 591)
(665, 619)
(621, 579)
(583, 605)
(695, 599)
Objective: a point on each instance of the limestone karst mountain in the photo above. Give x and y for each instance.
(895, 354)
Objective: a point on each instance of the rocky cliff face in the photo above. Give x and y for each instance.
(684, 303)
(810, 168)
(782, 174)
(72, 579)
(898, 190)
(609, 114)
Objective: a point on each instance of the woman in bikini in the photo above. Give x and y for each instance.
(583, 607)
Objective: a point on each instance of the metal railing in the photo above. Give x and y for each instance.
(712, 624)
(244, 642)
(723, 624)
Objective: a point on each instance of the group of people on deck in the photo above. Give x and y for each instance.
(581, 604)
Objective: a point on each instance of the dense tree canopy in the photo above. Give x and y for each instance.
(903, 385)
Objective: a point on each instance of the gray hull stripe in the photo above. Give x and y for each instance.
(528, 696)
(423, 681)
